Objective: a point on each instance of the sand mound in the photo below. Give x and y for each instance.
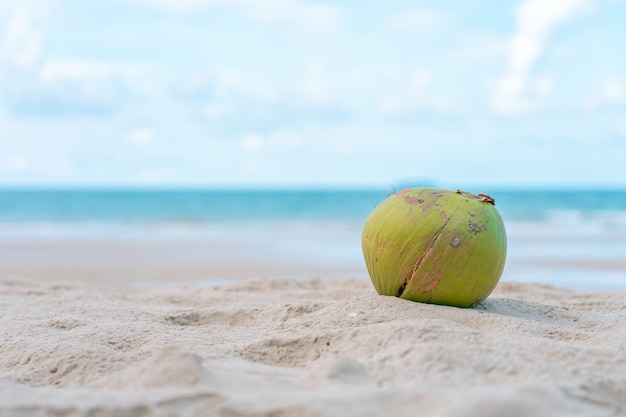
(307, 348)
(169, 367)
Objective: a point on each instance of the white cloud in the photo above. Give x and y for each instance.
(181, 6)
(33, 83)
(72, 86)
(223, 93)
(516, 91)
(140, 136)
(536, 19)
(296, 11)
(22, 37)
(227, 85)
(277, 140)
(476, 48)
(413, 93)
(22, 41)
(611, 92)
(16, 164)
(621, 127)
(252, 142)
(416, 20)
(47, 163)
(284, 138)
(316, 86)
(55, 70)
(215, 111)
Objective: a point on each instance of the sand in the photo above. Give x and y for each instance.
(149, 261)
(287, 347)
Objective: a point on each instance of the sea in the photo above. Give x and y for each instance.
(569, 238)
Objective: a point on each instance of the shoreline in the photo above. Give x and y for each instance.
(210, 260)
(120, 262)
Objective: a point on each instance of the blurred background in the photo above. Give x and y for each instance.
(194, 131)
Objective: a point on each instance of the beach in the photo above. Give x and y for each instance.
(138, 312)
(193, 196)
(75, 344)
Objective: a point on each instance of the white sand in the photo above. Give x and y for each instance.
(314, 348)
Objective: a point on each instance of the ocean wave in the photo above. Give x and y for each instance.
(569, 223)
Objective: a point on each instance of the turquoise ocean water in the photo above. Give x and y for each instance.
(574, 238)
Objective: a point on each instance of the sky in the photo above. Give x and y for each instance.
(298, 93)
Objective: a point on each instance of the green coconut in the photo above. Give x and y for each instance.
(435, 246)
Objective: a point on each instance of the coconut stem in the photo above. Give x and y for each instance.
(483, 198)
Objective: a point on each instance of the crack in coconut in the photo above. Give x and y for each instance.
(423, 256)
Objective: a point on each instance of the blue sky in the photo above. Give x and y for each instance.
(288, 93)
